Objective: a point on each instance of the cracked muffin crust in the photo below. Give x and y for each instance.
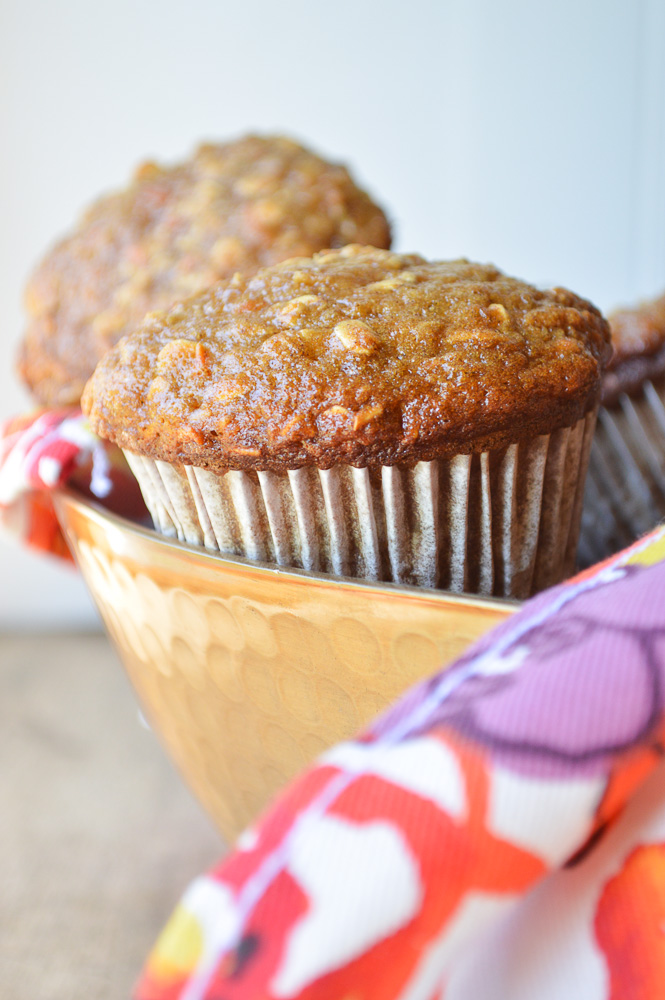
(232, 207)
(357, 356)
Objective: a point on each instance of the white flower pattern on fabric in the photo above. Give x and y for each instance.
(382, 893)
(424, 766)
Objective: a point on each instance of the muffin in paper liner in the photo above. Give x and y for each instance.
(625, 495)
(625, 491)
(502, 522)
(366, 414)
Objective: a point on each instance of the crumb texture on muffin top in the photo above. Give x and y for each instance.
(360, 356)
(174, 231)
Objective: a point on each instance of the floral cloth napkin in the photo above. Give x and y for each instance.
(49, 448)
(499, 834)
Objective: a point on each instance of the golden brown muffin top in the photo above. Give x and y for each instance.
(638, 342)
(357, 355)
(175, 231)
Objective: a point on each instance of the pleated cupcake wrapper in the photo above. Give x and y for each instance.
(501, 522)
(625, 493)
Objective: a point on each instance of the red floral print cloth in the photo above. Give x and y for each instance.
(499, 834)
(47, 449)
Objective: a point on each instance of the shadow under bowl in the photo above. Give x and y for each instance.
(247, 672)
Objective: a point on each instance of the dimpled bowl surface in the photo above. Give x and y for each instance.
(248, 672)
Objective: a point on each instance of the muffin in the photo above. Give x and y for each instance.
(366, 414)
(173, 232)
(625, 494)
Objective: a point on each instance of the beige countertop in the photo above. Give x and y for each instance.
(98, 836)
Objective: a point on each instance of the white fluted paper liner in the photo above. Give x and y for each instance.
(502, 522)
(625, 493)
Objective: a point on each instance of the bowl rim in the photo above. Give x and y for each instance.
(94, 510)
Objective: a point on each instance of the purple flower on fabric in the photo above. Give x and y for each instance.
(558, 694)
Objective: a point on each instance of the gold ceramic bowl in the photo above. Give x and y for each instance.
(247, 672)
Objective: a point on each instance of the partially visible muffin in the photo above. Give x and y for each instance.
(638, 349)
(368, 414)
(625, 494)
(231, 207)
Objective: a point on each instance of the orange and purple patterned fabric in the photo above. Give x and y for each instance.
(498, 834)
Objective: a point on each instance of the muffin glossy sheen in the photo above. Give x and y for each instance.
(359, 356)
(230, 208)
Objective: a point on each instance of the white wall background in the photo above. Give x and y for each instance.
(530, 134)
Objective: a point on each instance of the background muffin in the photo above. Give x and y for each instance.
(231, 207)
(626, 488)
(367, 414)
